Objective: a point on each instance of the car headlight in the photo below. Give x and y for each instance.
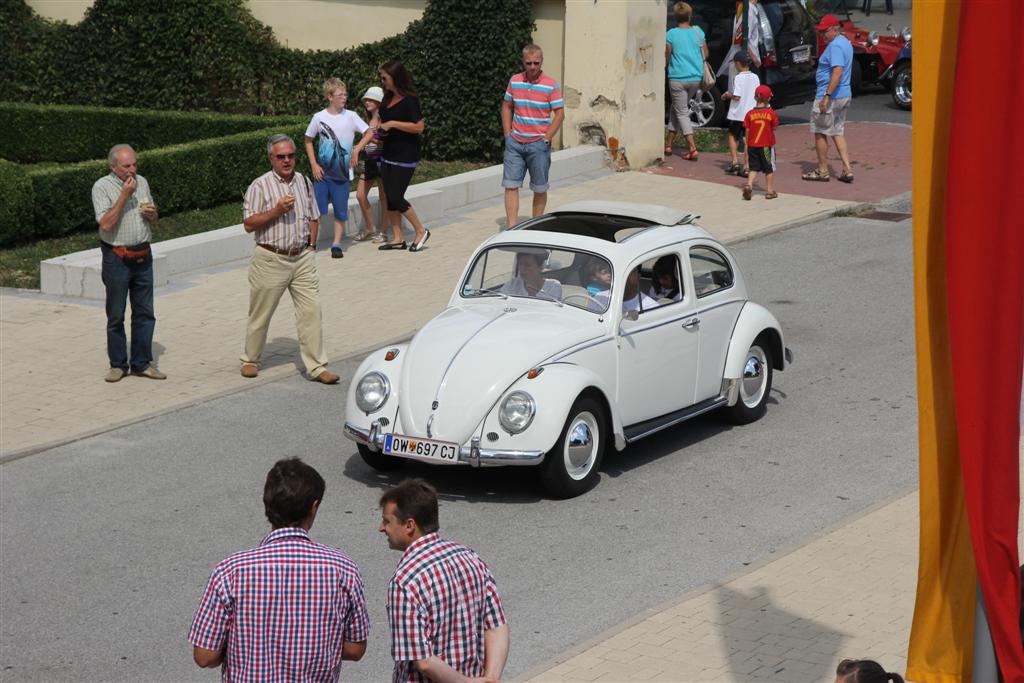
(905, 34)
(516, 412)
(873, 37)
(372, 391)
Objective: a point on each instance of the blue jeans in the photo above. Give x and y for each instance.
(520, 156)
(123, 279)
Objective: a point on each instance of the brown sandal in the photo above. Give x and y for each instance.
(771, 195)
(816, 175)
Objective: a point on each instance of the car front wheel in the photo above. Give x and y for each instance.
(571, 467)
(378, 460)
(755, 386)
(901, 86)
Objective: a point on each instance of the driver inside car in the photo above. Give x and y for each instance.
(530, 281)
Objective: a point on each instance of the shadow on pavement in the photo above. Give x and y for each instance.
(792, 647)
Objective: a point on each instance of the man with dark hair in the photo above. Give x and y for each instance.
(289, 609)
(447, 623)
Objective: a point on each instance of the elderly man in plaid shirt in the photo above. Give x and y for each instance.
(289, 609)
(446, 618)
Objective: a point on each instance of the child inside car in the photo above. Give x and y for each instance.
(665, 284)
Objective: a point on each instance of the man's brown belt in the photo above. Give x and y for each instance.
(283, 252)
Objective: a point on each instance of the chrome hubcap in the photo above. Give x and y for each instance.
(902, 87)
(755, 377)
(702, 108)
(581, 444)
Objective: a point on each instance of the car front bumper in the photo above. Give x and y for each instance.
(472, 455)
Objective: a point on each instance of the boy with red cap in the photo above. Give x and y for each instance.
(760, 124)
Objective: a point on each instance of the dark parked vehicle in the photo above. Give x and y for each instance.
(899, 75)
(789, 53)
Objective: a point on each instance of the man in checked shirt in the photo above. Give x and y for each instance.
(289, 609)
(280, 210)
(446, 618)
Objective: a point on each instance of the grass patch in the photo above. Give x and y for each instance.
(849, 211)
(711, 140)
(19, 266)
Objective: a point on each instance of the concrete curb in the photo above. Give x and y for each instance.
(580, 648)
(78, 274)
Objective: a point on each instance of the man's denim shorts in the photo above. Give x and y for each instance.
(520, 156)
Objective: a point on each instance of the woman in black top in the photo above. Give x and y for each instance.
(401, 123)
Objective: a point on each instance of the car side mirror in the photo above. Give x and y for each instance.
(631, 315)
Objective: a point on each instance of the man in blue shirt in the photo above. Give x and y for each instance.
(831, 99)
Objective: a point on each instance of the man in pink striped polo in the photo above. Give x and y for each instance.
(531, 116)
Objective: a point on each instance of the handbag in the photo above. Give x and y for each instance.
(708, 82)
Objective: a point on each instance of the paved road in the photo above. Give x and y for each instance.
(875, 104)
(106, 543)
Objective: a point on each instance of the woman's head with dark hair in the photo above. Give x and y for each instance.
(396, 80)
(291, 490)
(864, 671)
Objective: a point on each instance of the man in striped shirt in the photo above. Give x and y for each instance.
(289, 609)
(280, 209)
(530, 116)
(446, 619)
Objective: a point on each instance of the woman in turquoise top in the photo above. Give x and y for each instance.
(685, 52)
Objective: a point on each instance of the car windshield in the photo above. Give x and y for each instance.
(819, 8)
(561, 276)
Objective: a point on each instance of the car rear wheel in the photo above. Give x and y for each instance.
(571, 467)
(901, 86)
(755, 386)
(378, 460)
(857, 78)
(707, 108)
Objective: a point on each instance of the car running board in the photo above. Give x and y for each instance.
(648, 427)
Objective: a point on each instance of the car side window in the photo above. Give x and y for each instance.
(661, 280)
(711, 271)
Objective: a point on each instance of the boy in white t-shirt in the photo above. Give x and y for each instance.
(333, 156)
(741, 100)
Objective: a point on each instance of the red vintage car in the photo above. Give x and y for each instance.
(873, 53)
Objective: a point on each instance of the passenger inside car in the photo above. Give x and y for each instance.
(530, 281)
(665, 283)
(632, 298)
(600, 279)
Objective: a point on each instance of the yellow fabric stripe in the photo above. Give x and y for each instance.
(941, 639)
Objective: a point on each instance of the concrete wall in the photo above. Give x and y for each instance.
(614, 75)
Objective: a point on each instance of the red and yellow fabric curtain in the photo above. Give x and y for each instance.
(969, 308)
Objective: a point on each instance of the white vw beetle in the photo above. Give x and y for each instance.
(598, 323)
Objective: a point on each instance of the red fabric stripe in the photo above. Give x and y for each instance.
(985, 281)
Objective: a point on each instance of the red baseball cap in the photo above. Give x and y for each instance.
(762, 92)
(827, 22)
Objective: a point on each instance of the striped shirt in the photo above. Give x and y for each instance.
(284, 609)
(440, 601)
(132, 228)
(532, 105)
(291, 230)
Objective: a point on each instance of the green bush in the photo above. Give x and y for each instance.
(213, 55)
(190, 176)
(15, 202)
(69, 133)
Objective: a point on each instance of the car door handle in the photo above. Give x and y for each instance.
(692, 322)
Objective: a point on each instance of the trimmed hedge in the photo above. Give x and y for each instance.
(69, 133)
(214, 55)
(15, 202)
(189, 176)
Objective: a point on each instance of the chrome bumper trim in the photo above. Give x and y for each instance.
(471, 455)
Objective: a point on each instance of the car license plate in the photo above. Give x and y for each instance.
(800, 54)
(444, 452)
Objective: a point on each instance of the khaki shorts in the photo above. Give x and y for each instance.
(832, 121)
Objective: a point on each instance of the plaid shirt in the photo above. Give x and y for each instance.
(291, 230)
(284, 608)
(440, 601)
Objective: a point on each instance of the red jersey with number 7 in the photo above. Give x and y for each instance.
(761, 123)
